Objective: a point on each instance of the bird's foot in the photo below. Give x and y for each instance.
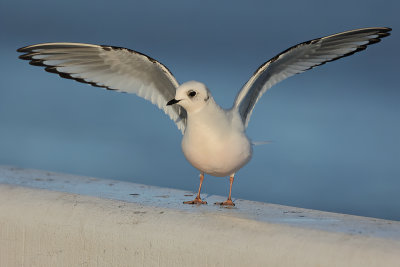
(228, 202)
(196, 201)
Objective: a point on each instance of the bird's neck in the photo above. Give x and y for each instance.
(211, 115)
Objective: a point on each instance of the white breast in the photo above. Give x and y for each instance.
(215, 143)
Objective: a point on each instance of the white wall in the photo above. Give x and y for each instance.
(49, 219)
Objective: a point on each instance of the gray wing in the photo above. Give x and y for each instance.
(113, 68)
(300, 58)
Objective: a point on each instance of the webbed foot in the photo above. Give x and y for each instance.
(228, 202)
(196, 201)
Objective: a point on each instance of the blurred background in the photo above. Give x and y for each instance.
(335, 130)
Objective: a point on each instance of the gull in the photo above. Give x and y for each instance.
(214, 139)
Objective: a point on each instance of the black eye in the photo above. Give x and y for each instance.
(191, 93)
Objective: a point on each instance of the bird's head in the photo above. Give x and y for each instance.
(192, 96)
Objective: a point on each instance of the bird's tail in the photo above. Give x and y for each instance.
(260, 143)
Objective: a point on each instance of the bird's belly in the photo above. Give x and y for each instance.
(217, 156)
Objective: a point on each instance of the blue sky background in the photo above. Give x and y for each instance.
(335, 129)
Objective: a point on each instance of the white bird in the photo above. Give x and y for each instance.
(214, 139)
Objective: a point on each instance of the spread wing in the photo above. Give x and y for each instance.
(113, 68)
(300, 58)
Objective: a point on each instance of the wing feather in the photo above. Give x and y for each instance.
(300, 58)
(110, 67)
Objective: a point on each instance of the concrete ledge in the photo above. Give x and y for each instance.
(49, 219)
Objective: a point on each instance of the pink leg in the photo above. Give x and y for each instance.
(197, 200)
(229, 201)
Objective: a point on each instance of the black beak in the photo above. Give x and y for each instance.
(172, 101)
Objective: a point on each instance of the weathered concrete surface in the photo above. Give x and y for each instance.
(49, 219)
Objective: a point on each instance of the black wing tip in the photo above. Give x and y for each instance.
(38, 63)
(28, 53)
(25, 56)
(384, 32)
(52, 69)
(386, 29)
(24, 49)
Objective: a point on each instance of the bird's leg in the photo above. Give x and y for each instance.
(197, 200)
(229, 201)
